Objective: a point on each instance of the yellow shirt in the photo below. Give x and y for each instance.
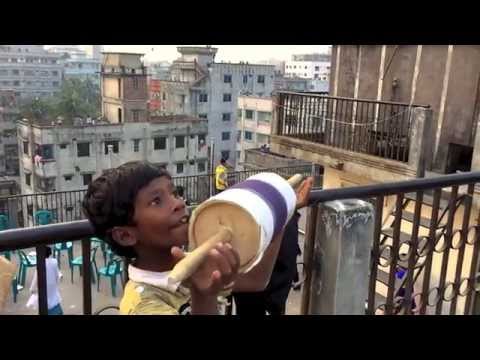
(220, 177)
(148, 293)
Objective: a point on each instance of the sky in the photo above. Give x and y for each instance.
(233, 53)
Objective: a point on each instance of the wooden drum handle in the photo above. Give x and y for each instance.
(295, 180)
(190, 263)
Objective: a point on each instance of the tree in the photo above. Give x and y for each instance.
(77, 98)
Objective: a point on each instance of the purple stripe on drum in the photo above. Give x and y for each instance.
(272, 197)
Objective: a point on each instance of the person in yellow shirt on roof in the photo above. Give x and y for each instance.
(221, 182)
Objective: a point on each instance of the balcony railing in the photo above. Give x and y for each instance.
(376, 128)
(422, 237)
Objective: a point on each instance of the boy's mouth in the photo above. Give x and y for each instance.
(183, 221)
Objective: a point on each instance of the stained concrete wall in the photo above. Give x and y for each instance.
(442, 76)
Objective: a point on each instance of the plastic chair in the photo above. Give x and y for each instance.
(57, 252)
(78, 262)
(43, 217)
(25, 263)
(103, 246)
(113, 268)
(16, 287)
(4, 222)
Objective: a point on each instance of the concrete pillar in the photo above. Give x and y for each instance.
(421, 141)
(341, 258)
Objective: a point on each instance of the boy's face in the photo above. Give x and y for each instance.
(160, 216)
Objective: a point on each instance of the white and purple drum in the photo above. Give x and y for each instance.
(256, 210)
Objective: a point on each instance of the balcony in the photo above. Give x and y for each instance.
(354, 135)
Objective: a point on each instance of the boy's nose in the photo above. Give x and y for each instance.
(179, 204)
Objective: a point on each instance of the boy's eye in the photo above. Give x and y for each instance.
(156, 201)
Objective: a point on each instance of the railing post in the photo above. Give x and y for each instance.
(341, 258)
(420, 152)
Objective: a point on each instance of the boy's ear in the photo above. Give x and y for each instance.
(124, 235)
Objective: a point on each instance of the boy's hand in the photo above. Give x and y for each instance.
(303, 192)
(218, 272)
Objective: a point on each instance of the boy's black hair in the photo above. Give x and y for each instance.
(223, 161)
(110, 199)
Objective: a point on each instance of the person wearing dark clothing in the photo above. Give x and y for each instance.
(274, 298)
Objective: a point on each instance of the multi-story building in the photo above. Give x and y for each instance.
(300, 84)
(30, 71)
(77, 64)
(67, 155)
(9, 114)
(159, 70)
(254, 118)
(309, 66)
(202, 87)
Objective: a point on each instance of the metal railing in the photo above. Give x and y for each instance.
(378, 128)
(67, 221)
(425, 254)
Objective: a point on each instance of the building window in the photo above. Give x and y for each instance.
(226, 116)
(225, 135)
(225, 154)
(28, 179)
(15, 72)
(55, 84)
(136, 145)
(201, 141)
(83, 149)
(239, 135)
(305, 66)
(135, 115)
(264, 116)
(227, 79)
(239, 114)
(25, 147)
(87, 179)
(63, 146)
(114, 143)
(245, 79)
(179, 142)
(46, 151)
(135, 83)
(261, 79)
(203, 98)
(180, 168)
(317, 68)
(17, 83)
(201, 167)
(55, 73)
(67, 177)
(249, 114)
(202, 116)
(164, 96)
(159, 143)
(248, 135)
(227, 97)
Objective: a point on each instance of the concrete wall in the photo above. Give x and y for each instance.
(442, 76)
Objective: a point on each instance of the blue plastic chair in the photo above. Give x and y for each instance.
(103, 246)
(112, 270)
(43, 217)
(57, 252)
(26, 262)
(4, 222)
(78, 262)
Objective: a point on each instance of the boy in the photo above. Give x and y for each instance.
(135, 209)
(53, 278)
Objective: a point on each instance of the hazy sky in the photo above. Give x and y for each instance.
(233, 53)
